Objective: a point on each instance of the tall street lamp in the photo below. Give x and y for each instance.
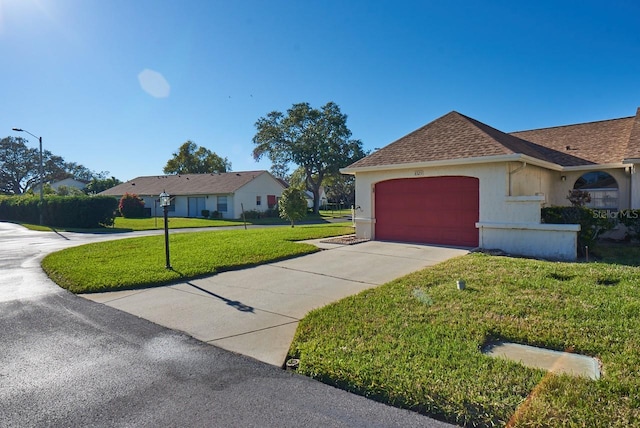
(41, 172)
(165, 201)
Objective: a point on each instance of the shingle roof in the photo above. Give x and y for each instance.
(633, 148)
(185, 184)
(455, 136)
(585, 143)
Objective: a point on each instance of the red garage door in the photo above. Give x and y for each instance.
(434, 210)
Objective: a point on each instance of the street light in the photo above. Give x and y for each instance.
(165, 201)
(41, 172)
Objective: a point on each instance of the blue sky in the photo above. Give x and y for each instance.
(119, 85)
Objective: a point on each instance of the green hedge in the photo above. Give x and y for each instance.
(86, 212)
(591, 222)
(631, 219)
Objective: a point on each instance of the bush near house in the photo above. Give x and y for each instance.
(631, 219)
(590, 221)
(255, 214)
(131, 206)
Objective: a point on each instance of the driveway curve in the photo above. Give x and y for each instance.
(68, 361)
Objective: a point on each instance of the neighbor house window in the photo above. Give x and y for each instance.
(258, 200)
(222, 204)
(602, 188)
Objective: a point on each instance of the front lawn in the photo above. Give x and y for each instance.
(152, 223)
(415, 342)
(139, 262)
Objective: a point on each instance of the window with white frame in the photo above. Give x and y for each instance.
(222, 204)
(258, 200)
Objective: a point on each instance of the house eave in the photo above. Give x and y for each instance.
(631, 161)
(515, 157)
(595, 167)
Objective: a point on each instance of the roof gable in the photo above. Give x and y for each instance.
(186, 184)
(458, 137)
(452, 136)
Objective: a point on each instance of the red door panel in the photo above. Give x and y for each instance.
(435, 210)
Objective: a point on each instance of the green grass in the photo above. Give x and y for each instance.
(140, 262)
(122, 224)
(336, 213)
(174, 223)
(415, 342)
(613, 252)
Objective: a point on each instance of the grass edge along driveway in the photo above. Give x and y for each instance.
(140, 262)
(415, 342)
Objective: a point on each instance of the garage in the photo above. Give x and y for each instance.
(433, 210)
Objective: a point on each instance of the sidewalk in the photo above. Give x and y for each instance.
(256, 311)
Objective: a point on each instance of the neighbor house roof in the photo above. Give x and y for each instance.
(457, 137)
(185, 184)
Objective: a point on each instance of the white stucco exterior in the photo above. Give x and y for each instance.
(262, 186)
(511, 196)
(517, 174)
(634, 191)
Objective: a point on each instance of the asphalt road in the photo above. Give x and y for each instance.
(66, 361)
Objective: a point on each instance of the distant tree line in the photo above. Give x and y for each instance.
(20, 170)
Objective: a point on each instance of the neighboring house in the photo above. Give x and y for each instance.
(457, 181)
(67, 182)
(227, 193)
(308, 194)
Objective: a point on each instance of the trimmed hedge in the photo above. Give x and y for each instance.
(83, 212)
(591, 222)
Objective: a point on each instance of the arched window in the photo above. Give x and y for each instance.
(602, 187)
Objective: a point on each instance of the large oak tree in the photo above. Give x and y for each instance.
(317, 140)
(191, 159)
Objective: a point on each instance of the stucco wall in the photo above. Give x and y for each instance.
(558, 197)
(550, 241)
(509, 198)
(493, 190)
(262, 185)
(635, 187)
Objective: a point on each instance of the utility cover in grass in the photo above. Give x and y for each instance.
(553, 361)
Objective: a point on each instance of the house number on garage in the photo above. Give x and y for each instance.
(418, 172)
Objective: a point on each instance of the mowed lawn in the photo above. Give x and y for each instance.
(140, 262)
(416, 342)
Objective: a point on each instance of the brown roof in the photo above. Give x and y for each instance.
(185, 184)
(585, 143)
(455, 136)
(633, 148)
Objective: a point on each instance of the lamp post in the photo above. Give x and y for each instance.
(165, 201)
(41, 172)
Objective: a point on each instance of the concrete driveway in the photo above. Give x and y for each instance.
(255, 311)
(66, 361)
